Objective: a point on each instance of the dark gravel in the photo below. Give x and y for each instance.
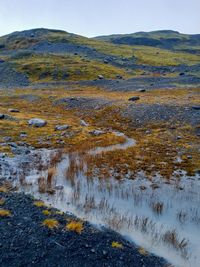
(25, 242)
(10, 77)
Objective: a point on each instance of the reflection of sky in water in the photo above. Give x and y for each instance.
(124, 207)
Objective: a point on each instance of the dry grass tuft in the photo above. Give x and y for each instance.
(50, 223)
(171, 237)
(4, 213)
(3, 189)
(116, 244)
(142, 251)
(75, 226)
(39, 203)
(46, 212)
(2, 201)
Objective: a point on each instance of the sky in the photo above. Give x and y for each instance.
(100, 17)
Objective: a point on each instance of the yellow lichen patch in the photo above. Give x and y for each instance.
(75, 226)
(142, 251)
(39, 203)
(4, 213)
(116, 244)
(46, 212)
(50, 223)
(2, 201)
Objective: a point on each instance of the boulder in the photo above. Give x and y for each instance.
(36, 122)
(61, 127)
(14, 110)
(134, 98)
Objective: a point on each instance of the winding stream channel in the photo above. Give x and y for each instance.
(164, 219)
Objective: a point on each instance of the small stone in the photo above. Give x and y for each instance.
(119, 77)
(100, 77)
(92, 250)
(14, 110)
(96, 132)
(196, 107)
(189, 157)
(178, 137)
(83, 123)
(134, 98)
(2, 116)
(61, 127)
(141, 90)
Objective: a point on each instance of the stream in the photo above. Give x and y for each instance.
(165, 219)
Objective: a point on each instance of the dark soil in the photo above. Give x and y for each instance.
(24, 241)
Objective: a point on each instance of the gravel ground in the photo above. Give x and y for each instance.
(142, 114)
(10, 77)
(24, 241)
(83, 103)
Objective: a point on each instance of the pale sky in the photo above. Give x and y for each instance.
(100, 17)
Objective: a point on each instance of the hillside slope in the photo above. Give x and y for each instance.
(44, 55)
(165, 39)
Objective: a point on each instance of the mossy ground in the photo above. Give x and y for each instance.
(154, 152)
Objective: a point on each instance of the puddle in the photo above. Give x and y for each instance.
(161, 217)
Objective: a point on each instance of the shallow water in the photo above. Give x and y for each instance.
(164, 219)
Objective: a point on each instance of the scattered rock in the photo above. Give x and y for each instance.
(36, 122)
(14, 110)
(196, 107)
(96, 132)
(2, 116)
(119, 77)
(83, 123)
(7, 138)
(141, 90)
(101, 77)
(178, 137)
(61, 127)
(134, 98)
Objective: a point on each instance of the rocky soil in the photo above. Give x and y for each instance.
(24, 241)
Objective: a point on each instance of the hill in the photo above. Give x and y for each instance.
(45, 55)
(165, 39)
